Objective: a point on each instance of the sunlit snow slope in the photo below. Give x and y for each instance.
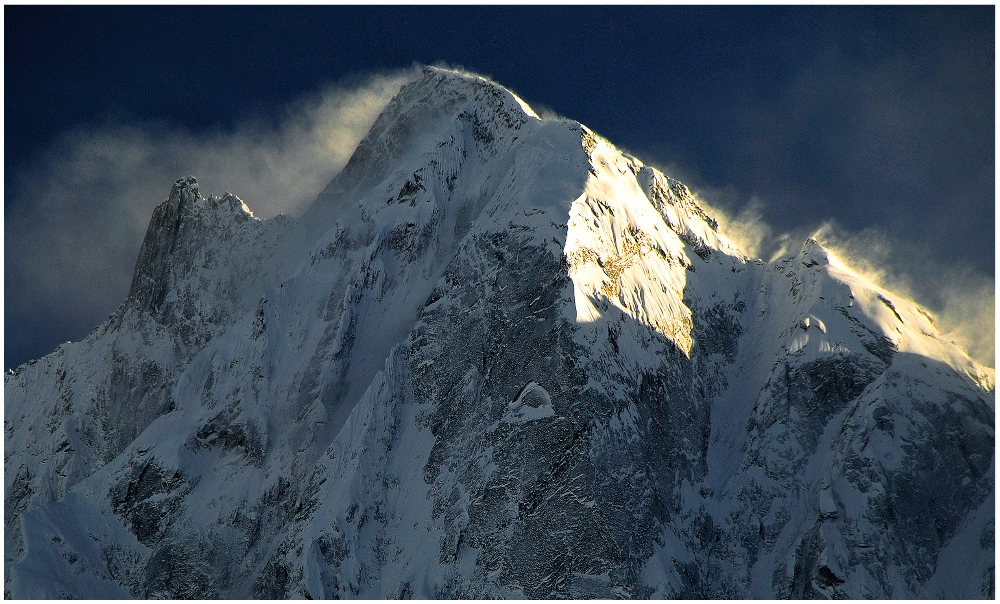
(496, 358)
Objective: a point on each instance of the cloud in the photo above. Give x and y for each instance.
(891, 142)
(885, 152)
(75, 219)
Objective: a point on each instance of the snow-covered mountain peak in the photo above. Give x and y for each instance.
(185, 202)
(496, 358)
(813, 253)
(465, 116)
(833, 292)
(185, 190)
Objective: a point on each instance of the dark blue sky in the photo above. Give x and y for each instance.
(879, 118)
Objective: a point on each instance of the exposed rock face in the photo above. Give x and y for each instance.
(496, 358)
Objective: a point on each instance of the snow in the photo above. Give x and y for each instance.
(532, 404)
(716, 421)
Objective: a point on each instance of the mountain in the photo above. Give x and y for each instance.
(496, 358)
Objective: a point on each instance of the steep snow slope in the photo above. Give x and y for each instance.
(497, 357)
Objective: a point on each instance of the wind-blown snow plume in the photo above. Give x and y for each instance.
(961, 298)
(74, 230)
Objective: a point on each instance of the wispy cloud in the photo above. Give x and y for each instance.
(76, 218)
(884, 159)
(897, 142)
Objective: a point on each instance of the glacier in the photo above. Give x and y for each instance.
(496, 358)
